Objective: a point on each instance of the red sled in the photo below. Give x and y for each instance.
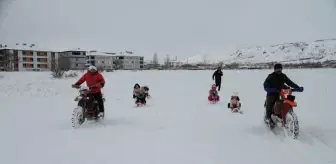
(213, 100)
(140, 104)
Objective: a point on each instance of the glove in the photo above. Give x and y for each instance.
(271, 90)
(300, 89)
(74, 86)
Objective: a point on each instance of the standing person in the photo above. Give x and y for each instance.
(273, 85)
(217, 76)
(95, 81)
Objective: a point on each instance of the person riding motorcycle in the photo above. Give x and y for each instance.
(273, 85)
(95, 81)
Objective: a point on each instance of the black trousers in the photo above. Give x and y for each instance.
(141, 100)
(218, 84)
(269, 104)
(99, 98)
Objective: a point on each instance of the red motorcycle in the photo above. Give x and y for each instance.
(283, 113)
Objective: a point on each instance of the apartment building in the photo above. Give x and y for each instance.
(130, 62)
(29, 58)
(73, 59)
(26, 59)
(100, 60)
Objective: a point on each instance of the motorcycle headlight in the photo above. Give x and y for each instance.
(78, 98)
(83, 92)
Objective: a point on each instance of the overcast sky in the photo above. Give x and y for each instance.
(177, 27)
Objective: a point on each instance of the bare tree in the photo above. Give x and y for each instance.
(59, 66)
(101, 68)
(167, 62)
(155, 61)
(8, 60)
(56, 71)
(117, 64)
(205, 61)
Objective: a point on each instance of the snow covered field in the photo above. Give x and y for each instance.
(178, 126)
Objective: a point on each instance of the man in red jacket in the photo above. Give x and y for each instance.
(95, 81)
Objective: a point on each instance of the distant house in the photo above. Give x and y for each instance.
(130, 62)
(100, 60)
(76, 58)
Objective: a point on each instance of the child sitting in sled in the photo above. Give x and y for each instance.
(213, 94)
(234, 103)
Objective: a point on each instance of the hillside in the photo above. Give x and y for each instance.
(299, 52)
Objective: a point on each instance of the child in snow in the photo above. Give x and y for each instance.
(136, 86)
(140, 95)
(213, 94)
(146, 91)
(234, 102)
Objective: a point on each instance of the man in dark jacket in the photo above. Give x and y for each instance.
(273, 85)
(217, 76)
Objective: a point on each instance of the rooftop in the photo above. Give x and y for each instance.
(98, 54)
(24, 47)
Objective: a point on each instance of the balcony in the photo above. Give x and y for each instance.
(42, 60)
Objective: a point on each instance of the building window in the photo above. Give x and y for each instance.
(41, 53)
(77, 65)
(42, 60)
(75, 53)
(28, 59)
(27, 53)
(42, 65)
(27, 65)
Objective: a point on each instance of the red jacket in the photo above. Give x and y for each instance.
(93, 81)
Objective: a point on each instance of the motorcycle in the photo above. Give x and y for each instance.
(87, 107)
(283, 113)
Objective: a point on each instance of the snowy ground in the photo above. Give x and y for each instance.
(177, 127)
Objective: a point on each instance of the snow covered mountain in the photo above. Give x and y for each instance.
(299, 52)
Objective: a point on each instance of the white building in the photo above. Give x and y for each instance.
(131, 62)
(174, 64)
(100, 60)
(73, 59)
(26, 59)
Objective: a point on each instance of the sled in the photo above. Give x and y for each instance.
(236, 110)
(140, 104)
